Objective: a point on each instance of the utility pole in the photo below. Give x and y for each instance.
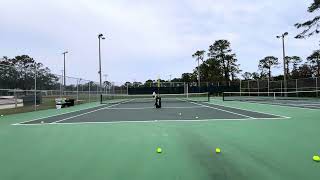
(64, 69)
(100, 36)
(199, 74)
(284, 60)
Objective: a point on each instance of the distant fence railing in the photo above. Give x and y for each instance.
(305, 84)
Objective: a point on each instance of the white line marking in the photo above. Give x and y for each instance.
(251, 110)
(88, 112)
(151, 121)
(142, 108)
(278, 104)
(223, 110)
(55, 115)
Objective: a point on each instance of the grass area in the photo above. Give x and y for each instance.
(257, 149)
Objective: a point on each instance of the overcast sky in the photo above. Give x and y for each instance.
(147, 38)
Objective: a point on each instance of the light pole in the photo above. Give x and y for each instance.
(35, 86)
(64, 69)
(284, 60)
(100, 36)
(199, 74)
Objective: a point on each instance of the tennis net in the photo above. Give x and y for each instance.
(272, 96)
(145, 98)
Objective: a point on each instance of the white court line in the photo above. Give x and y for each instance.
(45, 117)
(148, 121)
(252, 111)
(192, 107)
(151, 121)
(223, 110)
(279, 104)
(20, 123)
(89, 112)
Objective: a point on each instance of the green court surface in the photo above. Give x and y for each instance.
(252, 148)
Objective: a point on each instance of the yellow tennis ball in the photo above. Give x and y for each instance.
(159, 150)
(316, 158)
(218, 150)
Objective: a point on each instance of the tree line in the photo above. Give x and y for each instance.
(20, 73)
(220, 64)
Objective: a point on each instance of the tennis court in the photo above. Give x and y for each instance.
(118, 139)
(302, 99)
(136, 109)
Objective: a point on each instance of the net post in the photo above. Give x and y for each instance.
(223, 96)
(274, 95)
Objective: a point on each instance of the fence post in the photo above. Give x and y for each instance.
(249, 87)
(268, 86)
(240, 86)
(61, 85)
(297, 87)
(77, 90)
(89, 92)
(15, 98)
(317, 86)
(258, 85)
(97, 92)
(127, 89)
(281, 82)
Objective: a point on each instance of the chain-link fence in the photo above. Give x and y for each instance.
(305, 84)
(32, 88)
(24, 89)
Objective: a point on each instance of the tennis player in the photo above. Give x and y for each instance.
(157, 103)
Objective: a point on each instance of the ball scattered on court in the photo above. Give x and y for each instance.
(218, 150)
(316, 158)
(159, 150)
(197, 117)
(1, 115)
(180, 114)
(42, 122)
